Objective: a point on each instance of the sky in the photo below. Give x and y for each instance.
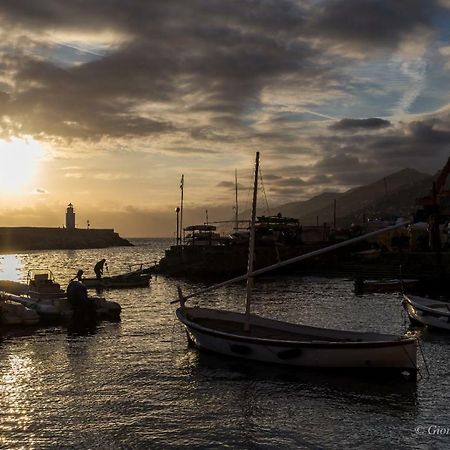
(105, 103)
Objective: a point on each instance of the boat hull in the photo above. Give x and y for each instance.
(398, 355)
(420, 312)
(59, 309)
(117, 283)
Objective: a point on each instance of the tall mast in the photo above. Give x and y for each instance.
(251, 247)
(181, 209)
(236, 210)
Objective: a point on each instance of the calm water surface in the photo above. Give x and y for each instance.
(136, 385)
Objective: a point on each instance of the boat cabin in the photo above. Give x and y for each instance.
(42, 281)
(202, 235)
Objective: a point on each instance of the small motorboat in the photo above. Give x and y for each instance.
(15, 314)
(426, 311)
(42, 284)
(45, 298)
(139, 277)
(60, 309)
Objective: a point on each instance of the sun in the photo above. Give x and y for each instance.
(19, 159)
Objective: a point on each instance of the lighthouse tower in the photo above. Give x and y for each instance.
(70, 217)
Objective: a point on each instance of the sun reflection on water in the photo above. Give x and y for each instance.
(17, 391)
(11, 267)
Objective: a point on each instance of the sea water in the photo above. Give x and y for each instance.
(137, 385)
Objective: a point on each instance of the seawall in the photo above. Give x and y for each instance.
(37, 238)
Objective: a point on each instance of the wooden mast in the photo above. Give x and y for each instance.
(251, 247)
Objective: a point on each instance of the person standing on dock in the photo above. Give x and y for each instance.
(98, 268)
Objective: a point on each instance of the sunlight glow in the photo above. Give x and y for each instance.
(18, 163)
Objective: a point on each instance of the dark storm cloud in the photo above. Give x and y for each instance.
(371, 23)
(177, 59)
(339, 161)
(421, 142)
(352, 124)
(220, 54)
(356, 159)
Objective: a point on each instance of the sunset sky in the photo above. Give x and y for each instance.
(105, 103)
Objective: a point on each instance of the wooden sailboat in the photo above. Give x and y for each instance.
(246, 335)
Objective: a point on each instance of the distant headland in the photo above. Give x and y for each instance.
(68, 237)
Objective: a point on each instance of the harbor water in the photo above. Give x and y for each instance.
(137, 385)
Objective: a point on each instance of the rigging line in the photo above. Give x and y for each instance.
(264, 191)
(423, 358)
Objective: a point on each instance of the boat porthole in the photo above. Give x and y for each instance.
(289, 354)
(240, 349)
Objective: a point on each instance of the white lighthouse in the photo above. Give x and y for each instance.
(70, 217)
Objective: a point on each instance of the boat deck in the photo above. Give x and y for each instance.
(264, 332)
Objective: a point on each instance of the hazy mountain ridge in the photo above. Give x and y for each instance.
(394, 194)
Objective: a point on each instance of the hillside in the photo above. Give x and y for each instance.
(392, 195)
(305, 208)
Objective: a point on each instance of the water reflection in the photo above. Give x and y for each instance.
(11, 267)
(135, 384)
(394, 395)
(18, 388)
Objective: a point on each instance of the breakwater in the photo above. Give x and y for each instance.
(40, 238)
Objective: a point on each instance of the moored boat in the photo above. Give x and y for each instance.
(384, 285)
(60, 309)
(14, 314)
(44, 297)
(426, 311)
(279, 342)
(251, 337)
(134, 278)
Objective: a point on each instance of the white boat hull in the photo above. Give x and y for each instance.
(16, 314)
(373, 353)
(57, 309)
(424, 311)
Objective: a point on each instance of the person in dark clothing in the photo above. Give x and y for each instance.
(77, 292)
(84, 314)
(98, 268)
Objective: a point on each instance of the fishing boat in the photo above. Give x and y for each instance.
(251, 337)
(426, 311)
(135, 277)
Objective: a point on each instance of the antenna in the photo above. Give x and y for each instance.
(236, 209)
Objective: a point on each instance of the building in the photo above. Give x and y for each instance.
(70, 217)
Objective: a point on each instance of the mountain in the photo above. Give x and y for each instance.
(305, 208)
(392, 195)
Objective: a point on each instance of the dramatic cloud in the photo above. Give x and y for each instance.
(127, 95)
(351, 124)
(372, 23)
